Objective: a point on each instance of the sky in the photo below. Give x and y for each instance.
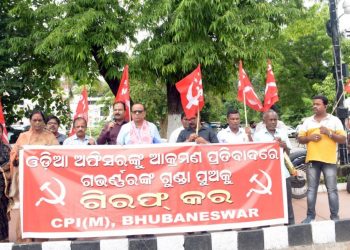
(344, 21)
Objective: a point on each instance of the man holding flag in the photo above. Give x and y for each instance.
(191, 92)
(203, 135)
(79, 137)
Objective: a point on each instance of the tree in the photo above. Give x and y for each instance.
(24, 75)
(304, 65)
(47, 39)
(84, 38)
(215, 34)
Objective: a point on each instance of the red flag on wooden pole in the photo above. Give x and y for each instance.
(246, 93)
(123, 94)
(2, 121)
(82, 108)
(191, 92)
(271, 91)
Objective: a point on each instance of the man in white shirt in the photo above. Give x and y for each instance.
(80, 137)
(270, 133)
(176, 132)
(233, 133)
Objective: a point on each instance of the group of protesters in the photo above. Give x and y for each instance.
(321, 132)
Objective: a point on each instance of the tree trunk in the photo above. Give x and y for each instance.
(112, 83)
(174, 109)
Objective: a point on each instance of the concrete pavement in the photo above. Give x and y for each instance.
(322, 207)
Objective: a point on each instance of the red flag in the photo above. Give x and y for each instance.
(347, 87)
(191, 92)
(82, 108)
(246, 91)
(123, 94)
(271, 92)
(2, 121)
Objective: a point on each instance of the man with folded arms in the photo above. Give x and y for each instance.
(321, 133)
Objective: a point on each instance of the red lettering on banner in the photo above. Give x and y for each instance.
(113, 191)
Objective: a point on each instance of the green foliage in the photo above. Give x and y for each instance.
(327, 88)
(24, 75)
(84, 37)
(152, 95)
(42, 40)
(346, 50)
(303, 63)
(216, 34)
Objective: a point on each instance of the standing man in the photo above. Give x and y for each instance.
(269, 133)
(252, 125)
(321, 133)
(234, 133)
(138, 131)
(111, 130)
(53, 123)
(80, 137)
(176, 132)
(205, 135)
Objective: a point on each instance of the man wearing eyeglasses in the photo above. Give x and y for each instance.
(80, 137)
(111, 130)
(53, 123)
(138, 131)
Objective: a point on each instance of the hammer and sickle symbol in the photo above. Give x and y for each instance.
(264, 189)
(193, 100)
(56, 198)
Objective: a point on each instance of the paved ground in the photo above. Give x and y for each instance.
(322, 207)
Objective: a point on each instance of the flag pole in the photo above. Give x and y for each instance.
(88, 112)
(336, 105)
(245, 109)
(197, 129)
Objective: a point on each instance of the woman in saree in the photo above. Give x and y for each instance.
(37, 135)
